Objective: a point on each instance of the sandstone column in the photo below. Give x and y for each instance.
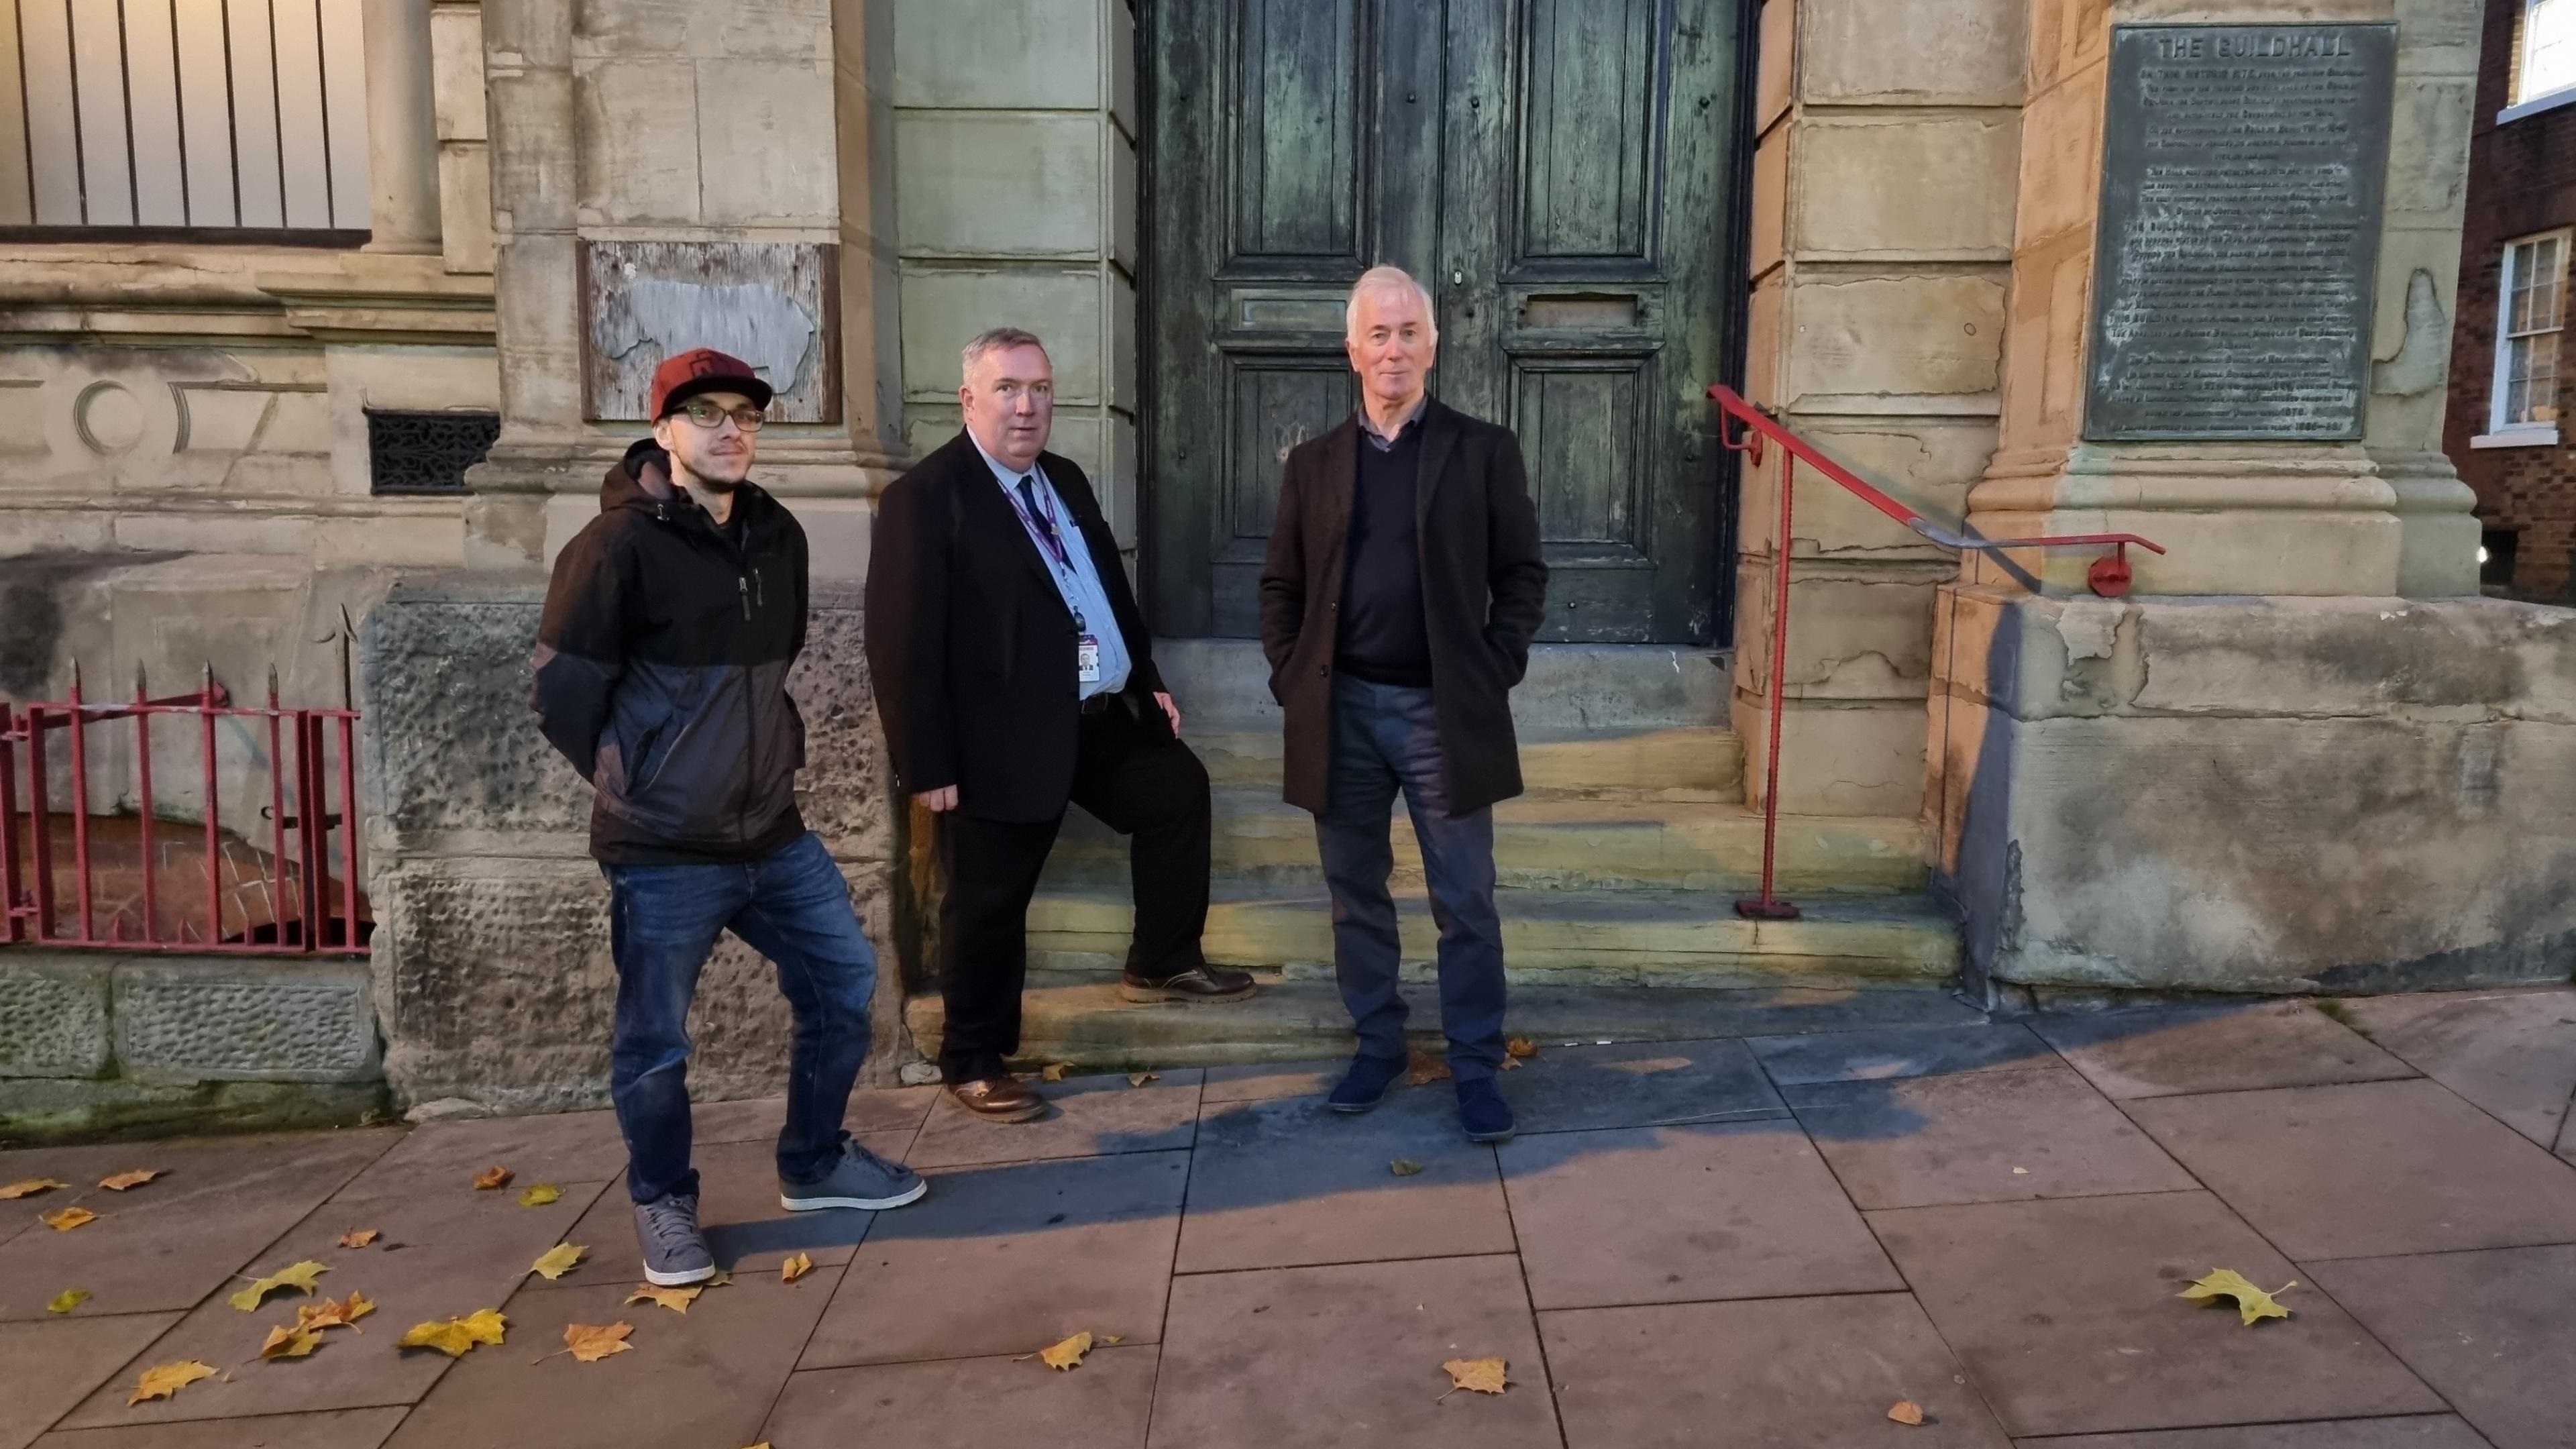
(402, 128)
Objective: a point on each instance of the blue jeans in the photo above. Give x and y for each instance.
(1385, 740)
(791, 906)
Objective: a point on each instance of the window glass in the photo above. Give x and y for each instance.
(2548, 49)
(2534, 315)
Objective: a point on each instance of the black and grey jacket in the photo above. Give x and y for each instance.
(661, 669)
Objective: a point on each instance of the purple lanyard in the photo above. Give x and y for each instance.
(1044, 528)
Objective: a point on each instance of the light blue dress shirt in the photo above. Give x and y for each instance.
(1077, 578)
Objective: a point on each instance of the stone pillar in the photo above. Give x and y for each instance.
(402, 129)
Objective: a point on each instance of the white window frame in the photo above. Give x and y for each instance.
(2524, 101)
(2500, 433)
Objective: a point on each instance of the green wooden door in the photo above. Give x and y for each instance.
(1556, 171)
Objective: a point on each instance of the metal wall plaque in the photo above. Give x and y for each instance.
(771, 304)
(2242, 172)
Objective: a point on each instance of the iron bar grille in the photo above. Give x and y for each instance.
(426, 452)
(152, 115)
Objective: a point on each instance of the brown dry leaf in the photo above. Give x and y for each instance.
(285, 1342)
(1475, 1375)
(1510, 1064)
(164, 1379)
(1054, 1071)
(455, 1337)
(299, 1277)
(2252, 1303)
(795, 1268)
(1138, 1079)
(360, 1237)
(1424, 1068)
(1520, 1046)
(558, 1260)
(493, 1177)
(675, 1299)
(591, 1342)
(1906, 1411)
(67, 1300)
(334, 1312)
(1404, 1167)
(540, 1195)
(63, 1220)
(120, 1181)
(30, 1187)
(1067, 1354)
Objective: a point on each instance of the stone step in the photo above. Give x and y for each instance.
(1550, 937)
(1080, 1020)
(1562, 843)
(1676, 762)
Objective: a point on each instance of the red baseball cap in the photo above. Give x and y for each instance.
(684, 375)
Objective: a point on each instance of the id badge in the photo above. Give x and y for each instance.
(1086, 660)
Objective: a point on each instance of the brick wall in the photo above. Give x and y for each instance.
(2522, 179)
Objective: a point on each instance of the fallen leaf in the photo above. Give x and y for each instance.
(1520, 1046)
(1906, 1411)
(120, 1181)
(359, 1237)
(1404, 1167)
(722, 1279)
(285, 1342)
(1067, 1354)
(1138, 1079)
(164, 1379)
(492, 1177)
(334, 1312)
(1475, 1375)
(298, 1277)
(675, 1299)
(67, 1300)
(795, 1268)
(540, 1195)
(2021, 1172)
(1510, 1064)
(455, 1337)
(63, 1220)
(558, 1260)
(30, 1187)
(1055, 1071)
(591, 1342)
(2252, 1303)
(1424, 1068)
(1107, 1339)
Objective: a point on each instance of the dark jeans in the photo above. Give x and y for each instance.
(791, 906)
(1384, 739)
(1137, 784)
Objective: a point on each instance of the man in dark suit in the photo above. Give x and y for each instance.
(1014, 674)
(1402, 588)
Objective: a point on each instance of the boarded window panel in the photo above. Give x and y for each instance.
(205, 112)
(344, 106)
(1296, 177)
(255, 136)
(98, 74)
(17, 202)
(1578, 424)
(53, 127)
(304, 142)
(1590, 116)
(152, 76)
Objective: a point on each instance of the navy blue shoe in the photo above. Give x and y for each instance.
(1482, 1110)
(1365, 1084)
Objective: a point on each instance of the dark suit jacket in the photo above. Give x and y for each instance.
(972, 646)
(1484, 592)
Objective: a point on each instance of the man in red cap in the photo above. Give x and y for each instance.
(661, 673)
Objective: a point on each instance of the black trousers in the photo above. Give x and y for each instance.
(1151, 789)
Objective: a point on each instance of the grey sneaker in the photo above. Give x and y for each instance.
(675, 1252)
(862, 1180)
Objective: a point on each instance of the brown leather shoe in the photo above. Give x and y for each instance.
(998, 1099)
(1201, 985)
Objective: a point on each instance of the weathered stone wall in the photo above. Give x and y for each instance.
(493, 978)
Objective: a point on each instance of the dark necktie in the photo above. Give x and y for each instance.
(1045, 523)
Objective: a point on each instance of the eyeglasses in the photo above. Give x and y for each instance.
(707, 415)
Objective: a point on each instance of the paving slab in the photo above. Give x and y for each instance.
(737, 1206)
(1288, 1182)
(1786, 1373)
(2369, 1169)
(2493, 1331)
(46, 1367)
(2168, 1051)
(2415, 1431)
(557, 1147)
(1005, 1260)
(1899, 1051)
(330, 1429)
(1246, 1356)
(974, 1403)
(172, 1241)
(707, 1376)
(2065, 1314)
(1639, 1084)
(872, 1110)
(1677, 1214)
(1979, 1137)
(1261, 1081)
(1086, 1117)
(443, 1252)
(2512, 1053)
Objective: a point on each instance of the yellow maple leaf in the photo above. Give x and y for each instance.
(1111, 1340)
(120, 1181)
(1905, 1411)
(1423, 1068)
(2252, 1303)
(492, 1177)
(67, 1300)
(1067, 1353)
(299, 1277)
(285, 1342)
(558, 1260)
(456, 1337)
(675, 1299)
(1054, 1071)
(334, 1312)
(63, 1220)
(164, 1379)
(540, 1195)
(1404, 1167)
(359, 1237)
(29, 1187)
(795, 1268)
(1476, 1375)
(591, 1342)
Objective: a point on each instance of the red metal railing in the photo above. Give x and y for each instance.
(277, 901)
(2108, 576)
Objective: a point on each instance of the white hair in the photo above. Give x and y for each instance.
(1384, 278)
(995, 339)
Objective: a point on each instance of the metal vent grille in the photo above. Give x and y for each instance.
(426, 452)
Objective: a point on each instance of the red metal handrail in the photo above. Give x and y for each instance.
(2108, 576)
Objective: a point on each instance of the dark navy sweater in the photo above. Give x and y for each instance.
(1382, 637)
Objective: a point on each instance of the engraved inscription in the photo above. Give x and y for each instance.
(2243, 167)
